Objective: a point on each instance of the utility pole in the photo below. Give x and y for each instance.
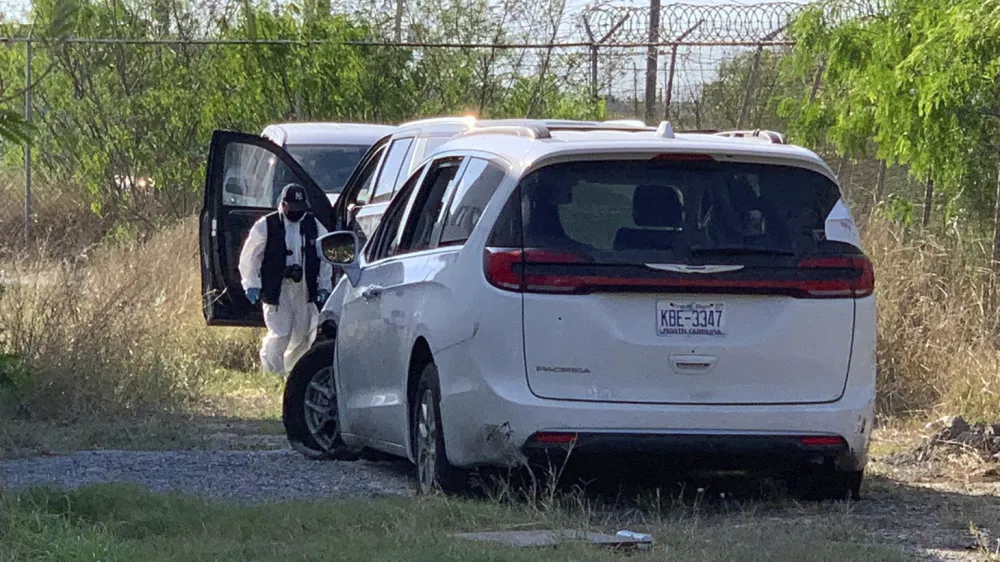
(652, 60)
(398, 29)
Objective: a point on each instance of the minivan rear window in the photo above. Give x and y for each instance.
(675, 210)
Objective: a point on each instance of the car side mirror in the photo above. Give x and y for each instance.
(341, 249)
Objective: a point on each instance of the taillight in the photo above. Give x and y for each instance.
(822, 441)
(554, 438)
(505, 266)
(850, 276)
(548, 271)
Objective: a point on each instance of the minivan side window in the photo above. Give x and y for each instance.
(367, 178)
(479, 181)
(387, 233)
(391, 168)
(427, 205)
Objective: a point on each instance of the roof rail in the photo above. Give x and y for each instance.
(628, 122)
(529, 131)
(772, 137)
(571, 124)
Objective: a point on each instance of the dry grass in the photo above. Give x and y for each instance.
(117, 334)
(938, 335)
(63, 225)
(119, 331)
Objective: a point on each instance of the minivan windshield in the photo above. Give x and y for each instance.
(674, 210)
(329, 165)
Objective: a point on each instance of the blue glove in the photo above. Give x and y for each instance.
(321, 296)
(253, 295)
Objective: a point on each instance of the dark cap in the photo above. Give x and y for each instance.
(295, 198)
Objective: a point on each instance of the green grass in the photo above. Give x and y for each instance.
(111, 523)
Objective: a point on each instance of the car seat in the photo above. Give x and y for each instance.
(658, 214)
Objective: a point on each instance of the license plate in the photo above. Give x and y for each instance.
(690, 319)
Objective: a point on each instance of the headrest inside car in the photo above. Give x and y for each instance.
(657, 206)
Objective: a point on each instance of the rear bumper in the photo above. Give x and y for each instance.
(694, 450)
(495, 424)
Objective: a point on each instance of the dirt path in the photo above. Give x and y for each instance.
(929, 511)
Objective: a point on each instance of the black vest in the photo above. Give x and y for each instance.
(272, 269)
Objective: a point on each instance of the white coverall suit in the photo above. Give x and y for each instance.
(291, 325)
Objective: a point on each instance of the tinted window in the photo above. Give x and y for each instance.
(253, 176)
(389, 230)
(394, 160)
(427, 205)
(366, 177)
(330, 166)
(506, 231)
(665, 211)
(479, 181)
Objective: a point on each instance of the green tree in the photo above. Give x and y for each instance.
(917, 85)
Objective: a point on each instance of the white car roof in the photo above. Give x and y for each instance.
(326, 133)
(524, 152)
(451, 126)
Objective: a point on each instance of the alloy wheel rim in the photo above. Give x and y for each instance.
(426, 442)
(321, 409)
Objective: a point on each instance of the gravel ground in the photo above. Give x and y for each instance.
(928, 518)
(244, 476)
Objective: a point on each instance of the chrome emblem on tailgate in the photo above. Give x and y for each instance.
(681, 268)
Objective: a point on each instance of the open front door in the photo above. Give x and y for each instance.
(243, 179)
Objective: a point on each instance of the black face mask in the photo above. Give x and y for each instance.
(294, 216)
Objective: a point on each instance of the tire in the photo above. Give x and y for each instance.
(434, 472)
(819, 483)
(314, 433)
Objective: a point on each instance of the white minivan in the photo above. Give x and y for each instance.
(603, 289)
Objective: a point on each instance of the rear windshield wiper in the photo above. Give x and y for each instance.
(735, 250)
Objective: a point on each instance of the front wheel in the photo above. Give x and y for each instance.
(309, 408)
(433, 469)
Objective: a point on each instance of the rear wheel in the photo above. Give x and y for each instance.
(433, 469)
(309, 408)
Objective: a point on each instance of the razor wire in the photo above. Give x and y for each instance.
(720, 23)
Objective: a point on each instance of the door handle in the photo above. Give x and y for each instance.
(692, 364)
(371, 293)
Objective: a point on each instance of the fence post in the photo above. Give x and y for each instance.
(652, 54)
(635, 89)
(752, 78)
(673, 63)
(995, 254)
(593, 71)
(593, 59)
(27, 144)
(595, 45)
(928, 203)
(880, 181)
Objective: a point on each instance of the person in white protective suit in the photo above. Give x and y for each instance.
(281, 267)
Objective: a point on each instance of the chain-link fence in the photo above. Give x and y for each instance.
(122, 98)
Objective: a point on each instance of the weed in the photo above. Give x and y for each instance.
(126, 523)
(117, 335)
